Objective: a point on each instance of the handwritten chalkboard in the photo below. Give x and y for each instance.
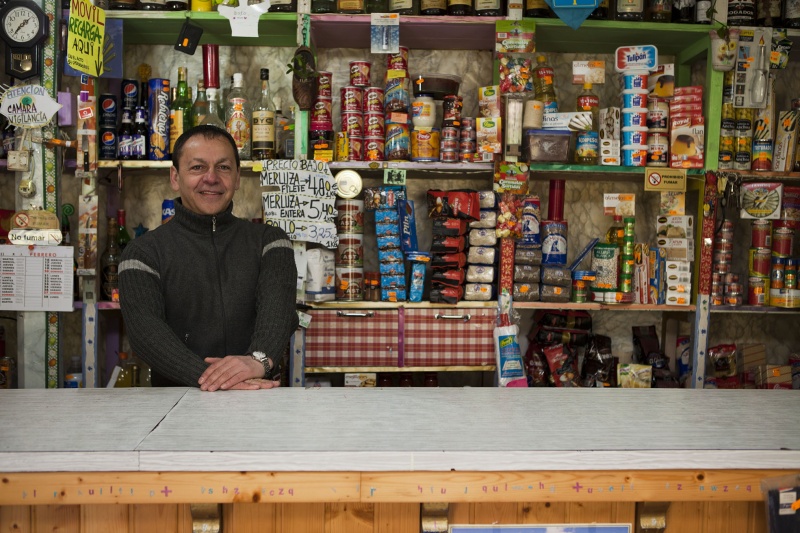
(301, 199)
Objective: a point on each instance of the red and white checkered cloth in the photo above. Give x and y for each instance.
(431, 341)
(333, 340)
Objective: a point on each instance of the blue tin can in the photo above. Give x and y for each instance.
(158, 111)
(108, 144)
(130, 94)
(108, 111)
(167, 210)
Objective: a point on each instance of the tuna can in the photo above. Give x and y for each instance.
(467, 134)
(733, 288)
(717, 299)
(722, 257)
(468, 123)
(349, 216)
(782, 241)
(657, 150)
(398, 142)
(352, 98)
(467, 146)
(373, 100)
(374, 148)
(759, 262)
(761, 234)
(448, 156)
(353, 124)
(762, 155)
(349, 284)
(356, 152)
(790, 274)
(374, 125)
(724, 245)
(778, 275)
(325, 84)
(758, 291)
(449, 144)
(658, 115)
(554, 242)
(466, 157)
(359, 73)
(450, 132)
(425, 144)
(730, 278)
(723, 267)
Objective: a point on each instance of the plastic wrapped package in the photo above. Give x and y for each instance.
(482, 237)
(527, 273)
(488, 220)
(526, 292)
(482, 255)
(480, 274)
(527, 256)
(554, 293)
(478, 292)
(561, 276)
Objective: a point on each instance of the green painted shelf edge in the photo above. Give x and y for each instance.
(274, 29)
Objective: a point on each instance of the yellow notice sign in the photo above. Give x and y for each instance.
(665, 179)
(87, 31)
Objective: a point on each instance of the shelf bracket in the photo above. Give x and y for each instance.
(651, 517)
(206, 517)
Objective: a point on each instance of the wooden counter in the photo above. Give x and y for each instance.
(371, 446)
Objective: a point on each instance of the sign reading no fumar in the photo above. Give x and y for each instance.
(85, 37)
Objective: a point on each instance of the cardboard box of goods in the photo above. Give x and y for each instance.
(489, 101)
(678, 298)
(661, 83)
(679, 276)
(677, 249)
(610, 153)
(675, 227)
(687, 141)
(641, 273)
(488, 135)
(753, 355)
(777, 375)
(785, 140)
(369, 379)
(577, 121)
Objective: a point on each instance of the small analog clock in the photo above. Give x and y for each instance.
(24, 27)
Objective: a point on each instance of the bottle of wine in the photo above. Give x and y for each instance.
(123, 236)
(110, 263)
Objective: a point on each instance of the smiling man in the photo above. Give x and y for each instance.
(208, 299)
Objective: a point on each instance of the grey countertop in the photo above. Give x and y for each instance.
(397, 429)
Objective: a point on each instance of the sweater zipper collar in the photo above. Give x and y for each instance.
(213, 224)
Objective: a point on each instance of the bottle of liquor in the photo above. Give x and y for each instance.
(139, 142)
(791, 14)
(238, 116)
(538, 8)
(377, 6)
(153, 5)
(110, 262)
(323, 6)
(768, 13)
(177, 5)
(180, 112)
(600, 12)
(212, 118)
(123, 237)
(488, 8)
(125, 374)
(264, 122)
(350, 7)
(125, 135)
(200, 105)
(283, 6)
(683, 11)
(404, 7)
(430, 7)
(702, 12)
(630, 10)
(459, 8)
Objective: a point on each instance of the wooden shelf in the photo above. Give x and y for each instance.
(341, 369)
(754, 309)
(768, 176)
(517, 305)
(163, 27)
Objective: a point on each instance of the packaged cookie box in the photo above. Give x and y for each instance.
(609, 131)
(679, 276)
(774, 377)
(675, 227)
(369, 379)
(677, 249)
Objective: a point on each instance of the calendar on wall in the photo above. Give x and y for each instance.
(36, 278)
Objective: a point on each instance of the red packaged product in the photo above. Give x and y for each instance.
(563, 366)
(449, 226)
(450, 278)
(447, 261)
(446, 295)
(448, 245)
(459, 204)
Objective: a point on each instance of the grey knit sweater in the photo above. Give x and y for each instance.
(206, 286)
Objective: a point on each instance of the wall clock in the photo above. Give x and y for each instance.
(24, 28)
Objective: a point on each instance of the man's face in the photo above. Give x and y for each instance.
(208, 176)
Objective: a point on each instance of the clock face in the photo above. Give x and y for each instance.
(21, 24)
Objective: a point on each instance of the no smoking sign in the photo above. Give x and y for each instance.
(665, 179)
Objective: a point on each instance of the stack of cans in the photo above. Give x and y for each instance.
(759, 263)
(468, 142)
(727, 132)
(397, 107)
(450, 139)
(108, 127)
(634, 117)
(350, 252)
(725, 286)
(374, 125)
(627, 259)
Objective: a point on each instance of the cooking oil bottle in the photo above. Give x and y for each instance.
(544, 85)
(587, 145)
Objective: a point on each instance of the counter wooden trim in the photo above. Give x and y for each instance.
(86, 488)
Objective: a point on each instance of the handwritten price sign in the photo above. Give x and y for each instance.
(302, 200)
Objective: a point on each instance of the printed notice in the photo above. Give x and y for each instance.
(37, 278)
(85, 37)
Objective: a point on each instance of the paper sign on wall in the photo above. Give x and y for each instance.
(244, 19)
(301, 201)
(85, 37)
(36, 278)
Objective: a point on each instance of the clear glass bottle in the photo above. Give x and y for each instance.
(544, 85)
(264, 122)
(124, 237)
(180, 111)
(213, 118)
(200, 105)
(459, 8)
(110, 263)
(237, 117)
(616, 232)
(630, 10)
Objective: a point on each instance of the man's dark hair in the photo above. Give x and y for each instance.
(207, 131)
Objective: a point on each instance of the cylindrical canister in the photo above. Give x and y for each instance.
(555, 203)
(349, 216)
(158, 109)
(373, 100)
(374, 148)
(758, 291)
(349, 284)
(759, 262)
(353, 124)
(325, 84)
(359, 73)
(352, 98)
(350, 251)
(374, 125)
(211, 65)
(108, 111)
(777, 277)
(790, 273)
(107, 149)
(398, 142)
(425, 144)
(167, 210)
(782, 241)
(761, 234)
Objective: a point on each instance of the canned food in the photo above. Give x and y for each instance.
(321, 111)
(349, 216)
(352, 98)
(790, 274)
(466, 157)
(353, 124)
(628, 265)
(759, 262)
(374, 125)
(743, 155)
(722, 256)
(777, 276)
(723, 245)
(468, 123)
(722, 267)
(425, 144)
(468, 133)
(398, 142)
(782, 241)
(581, 280)
(762, 155)
(374, 148)
(731, 278)
(449, 144)
(717, 299)
(325, 84)
(399, 60)
(356, 152)
(108, 144)
(373, 100)
(467, 146)
(451, 110)
(129, 90)
(733, 300)
(657, 115)
(761, 234)
(359, 73)
(450, 132)
(733, 288)
(448, 156)
(349, 284)
(350, 251)
(758, 291)
(108, 111)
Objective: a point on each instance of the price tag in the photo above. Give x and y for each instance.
(394, 176)
(665, 179)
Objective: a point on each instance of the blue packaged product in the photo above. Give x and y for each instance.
(392, 269)
(387, 230)
(387, 242)
(398, 280)
(554, 242)
(390, 255)
(385, 216)
(419, 262)
(530, 222)
(408, 226)
(158, 111)
(393, 295)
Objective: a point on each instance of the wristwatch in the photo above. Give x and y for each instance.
(262, 358)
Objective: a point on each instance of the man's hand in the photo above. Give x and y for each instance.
(256, 383)
(230, 372)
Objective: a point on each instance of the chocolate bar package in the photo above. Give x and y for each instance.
(456, 260)
(383, 197)
(449, 226)
(459, 204)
